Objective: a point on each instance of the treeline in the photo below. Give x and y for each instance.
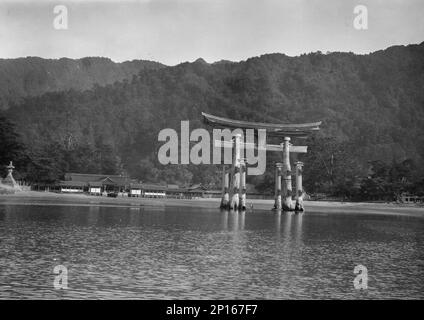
(371, 107)
(390, 181)
(32, 76)
(330, 168)
(48, 163)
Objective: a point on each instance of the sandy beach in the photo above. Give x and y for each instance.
(50, 198)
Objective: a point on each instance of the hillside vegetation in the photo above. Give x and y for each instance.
(32, 76)
(372, 108)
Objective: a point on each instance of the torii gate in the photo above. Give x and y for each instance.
(234, 182)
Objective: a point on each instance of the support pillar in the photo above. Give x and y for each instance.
(287, 190)
(242, 196)
(225, 198)
(299, 187)
(235, 173)
(277, 191)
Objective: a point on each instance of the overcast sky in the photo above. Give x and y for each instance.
(174, 31)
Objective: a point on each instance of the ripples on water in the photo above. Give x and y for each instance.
(183, 253)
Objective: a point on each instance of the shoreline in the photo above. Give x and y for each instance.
(51, 198)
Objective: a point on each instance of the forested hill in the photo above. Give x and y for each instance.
(33, 76)
(371, 105)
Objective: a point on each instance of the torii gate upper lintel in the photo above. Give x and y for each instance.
(234, 182)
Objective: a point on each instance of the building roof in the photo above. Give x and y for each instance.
(104, 178)
(95, 184)
(110, 181)
(213, 191)
(197, 186)
(72, 184)
(151, 186)
(179, 190)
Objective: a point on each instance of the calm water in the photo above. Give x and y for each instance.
(148, 253)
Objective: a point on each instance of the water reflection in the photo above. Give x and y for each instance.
(224, 220)
(234, 221)
(183, 252)
(298, 226)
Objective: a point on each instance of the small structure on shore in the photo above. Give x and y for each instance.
(410, 198)
(8, 184)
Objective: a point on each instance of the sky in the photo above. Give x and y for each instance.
(175, 31)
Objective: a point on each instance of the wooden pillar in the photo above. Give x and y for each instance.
(225, 199)
(242, 195)
(235, 172)
(287, 200)
(299, 187)
(277, 192)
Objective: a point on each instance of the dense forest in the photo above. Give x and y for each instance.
(371, 143)
(32, 76)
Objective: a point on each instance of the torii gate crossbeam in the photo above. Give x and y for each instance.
(234, 186)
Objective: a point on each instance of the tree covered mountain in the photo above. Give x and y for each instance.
(33, 76)
(372, 108)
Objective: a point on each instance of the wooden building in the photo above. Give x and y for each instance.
(95, 184)
(150, 190)
(116, 185)
(72, 186)
(135, 190)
